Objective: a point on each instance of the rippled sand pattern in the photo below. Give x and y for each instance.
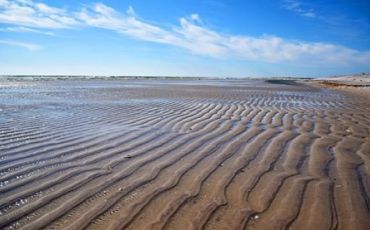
(182, 154)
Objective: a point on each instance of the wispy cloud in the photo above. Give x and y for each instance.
(333, 19)
(298, 8)
(190, 34)
(193, 36)
(22, 29)
(28, 46)
(31, 14)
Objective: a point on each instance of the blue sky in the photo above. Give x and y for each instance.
(226, 38)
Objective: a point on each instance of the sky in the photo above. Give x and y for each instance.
(214, 38)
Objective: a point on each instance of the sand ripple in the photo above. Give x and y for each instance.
(182, 154)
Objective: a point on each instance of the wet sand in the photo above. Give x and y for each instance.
(182, 154)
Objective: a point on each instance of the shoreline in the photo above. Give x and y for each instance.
(355, 88)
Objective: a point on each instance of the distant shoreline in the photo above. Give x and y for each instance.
(88, 77)
(353, 84)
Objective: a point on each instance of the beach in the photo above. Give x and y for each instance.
(182, 154)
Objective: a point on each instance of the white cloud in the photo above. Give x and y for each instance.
(47, 9)
(102, 16)
(22, 29)
(196, 18)
(31, 14)
(190, 34)
(193, 36)
(296, 6)
(28, 46)
(130, 11)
